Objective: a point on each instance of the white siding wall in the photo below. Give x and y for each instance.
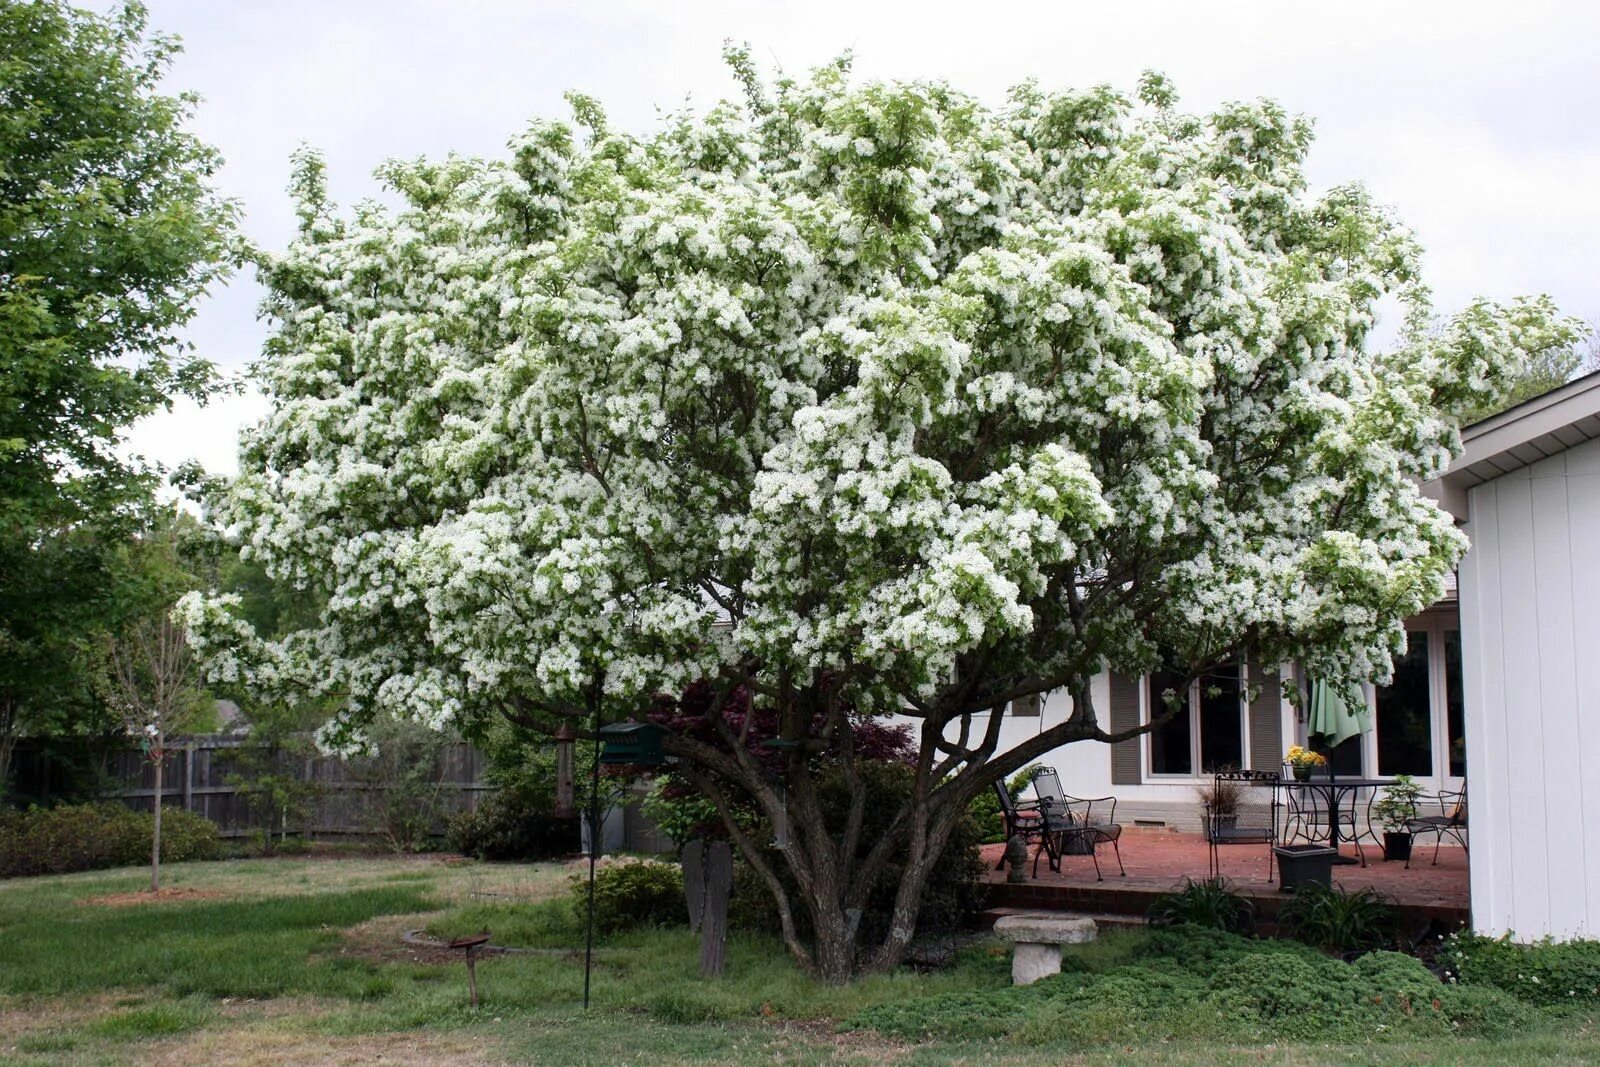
(1085, 766)
(1530, 629)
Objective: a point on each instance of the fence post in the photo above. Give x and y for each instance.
(188, 776)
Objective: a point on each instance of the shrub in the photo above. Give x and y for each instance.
(1545, 972)
(1339, 921)
(81, 837)
(634, 893)
(184, 836)
(509, 824)
(402, 776)
(1211, 904)
(1190, 983)
(682, 813)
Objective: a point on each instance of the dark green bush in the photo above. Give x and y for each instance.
(681, 812)
(1188, 983)
(1212, 904)
(81, 837)
(510, 824)
(1338, 921)
(632, 894)
(185, 836)
(1544, 972)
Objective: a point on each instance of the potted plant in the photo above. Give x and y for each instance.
(1220, 798)
(1394, 811)
(1303, 761)
(1300, 865)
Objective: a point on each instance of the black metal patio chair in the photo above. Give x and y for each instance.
(1075, 825)
(1450, 822)
(1251, 822)
(1019, 818)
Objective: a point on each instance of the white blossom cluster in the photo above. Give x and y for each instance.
(858, 380)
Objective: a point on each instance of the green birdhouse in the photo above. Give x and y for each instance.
(635, 744)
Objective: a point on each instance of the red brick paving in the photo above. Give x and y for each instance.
(1159, 860)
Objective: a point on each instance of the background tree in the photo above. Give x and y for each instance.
(860, 401)
(268, 771)
(109, 230)
(153, 683)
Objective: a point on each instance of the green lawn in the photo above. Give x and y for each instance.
(267, 961)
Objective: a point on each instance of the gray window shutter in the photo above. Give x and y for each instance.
(1125, 716)
(1266, 720)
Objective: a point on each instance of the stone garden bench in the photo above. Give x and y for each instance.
(1038, 940)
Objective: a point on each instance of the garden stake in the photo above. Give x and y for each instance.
(594, 843)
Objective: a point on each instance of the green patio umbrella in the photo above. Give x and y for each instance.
(1337, 716)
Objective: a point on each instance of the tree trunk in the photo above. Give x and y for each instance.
(835, 947)
(155, 840)
(8, 741)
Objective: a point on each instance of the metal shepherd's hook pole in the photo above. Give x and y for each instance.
(594, 837)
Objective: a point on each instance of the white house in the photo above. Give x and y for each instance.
(1418, 729)
(1527, 491)
(1494, 689)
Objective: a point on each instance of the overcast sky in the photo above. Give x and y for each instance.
(1479, 122)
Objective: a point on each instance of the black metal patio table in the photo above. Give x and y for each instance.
(1334, 788)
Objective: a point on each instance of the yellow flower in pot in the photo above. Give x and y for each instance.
(1304, 761)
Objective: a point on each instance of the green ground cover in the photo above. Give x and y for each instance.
(301, 959)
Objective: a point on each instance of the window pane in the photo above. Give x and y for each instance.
(1405, 731)
(1169, 743)
(1346, 758)
(1453, 708)
(1221, 725)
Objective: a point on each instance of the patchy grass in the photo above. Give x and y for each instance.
(157, 1020)
(299, 960)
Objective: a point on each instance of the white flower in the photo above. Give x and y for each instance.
(882, 384)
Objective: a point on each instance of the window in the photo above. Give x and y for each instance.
(1171, 748)
(1216, 741)
(1405, 715)
(1026, 707)
(1455, 719)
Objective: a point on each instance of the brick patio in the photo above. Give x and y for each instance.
(1158, 860)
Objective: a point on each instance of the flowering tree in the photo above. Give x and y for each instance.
(863, 400)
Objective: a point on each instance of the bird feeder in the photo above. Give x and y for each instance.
(566, 796)
(470, 946)
(636, 744)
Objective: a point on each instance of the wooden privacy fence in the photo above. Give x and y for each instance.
(202, 775)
